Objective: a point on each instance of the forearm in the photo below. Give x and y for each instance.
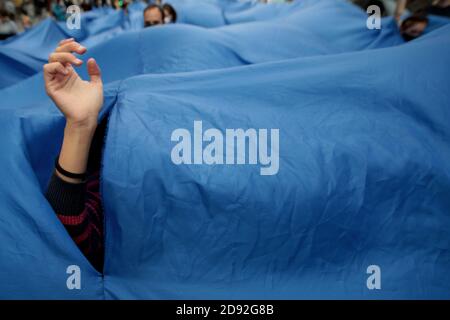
(75, 148)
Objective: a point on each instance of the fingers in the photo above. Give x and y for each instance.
(54, 68)
(63, 52)
(71, 46)
(94, 71)
(64, 58)
(65, 41)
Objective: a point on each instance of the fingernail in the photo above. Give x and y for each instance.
(78, 61)
(81, 48)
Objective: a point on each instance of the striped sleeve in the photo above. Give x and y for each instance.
(79, 208)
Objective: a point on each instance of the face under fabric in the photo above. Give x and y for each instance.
(363, 159)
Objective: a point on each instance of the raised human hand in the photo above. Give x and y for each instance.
(80, 101)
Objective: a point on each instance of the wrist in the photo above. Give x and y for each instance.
(80, 134)
(81, 126)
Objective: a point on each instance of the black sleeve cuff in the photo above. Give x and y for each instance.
(66, 198)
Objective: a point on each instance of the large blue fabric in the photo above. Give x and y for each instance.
(363, 159)
(184, 47)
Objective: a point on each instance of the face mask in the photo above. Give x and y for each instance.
(167, 19)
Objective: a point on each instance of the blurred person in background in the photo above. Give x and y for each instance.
(8, 26)
(39, 8)
(9, 7)
(29, 8)
(153, 15)
(440, 8)
(170, 15)
(413, 26)
(120, 4)
(18, 4)
(25, 20)
(59, 10)
(86, 5)
(436, 7)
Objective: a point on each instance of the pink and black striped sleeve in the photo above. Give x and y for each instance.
(79, 208)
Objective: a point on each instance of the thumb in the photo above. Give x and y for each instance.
(94, 71)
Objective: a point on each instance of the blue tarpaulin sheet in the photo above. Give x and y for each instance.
(362, 174)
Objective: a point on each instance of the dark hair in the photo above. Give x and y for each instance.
(154, 6)
(172, 11)
(413, 19)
